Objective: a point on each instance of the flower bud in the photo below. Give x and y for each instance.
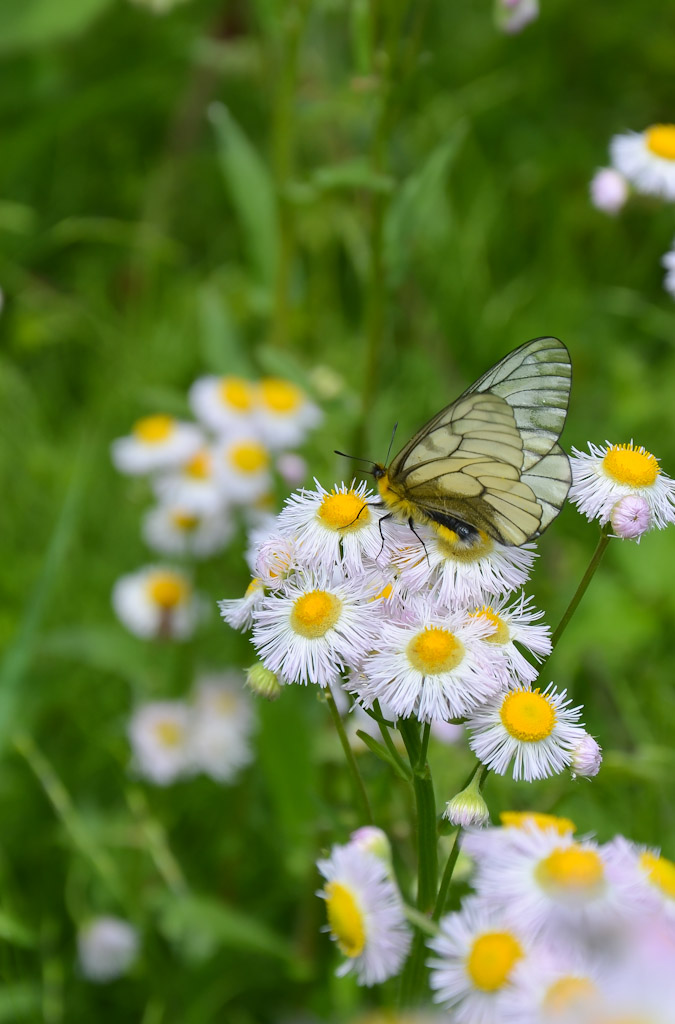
(512, 16)
(609, 190)
(262, 682)
(587, 758)
(107, 947)
(630, 517)
(468, 807)
(372, 840)
(292, 468)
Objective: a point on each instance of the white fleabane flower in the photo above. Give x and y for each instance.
(276, 559)
(283, 413)
(433, 666)
(653, 875)
(242, 468)
(365, 913)
(156, 443)
(157, 601)
(238, 612)
(668, 261)
(477, 952)
(482, 844)
(223, 403)
(511, 16)
(458, 573)
(516, 623)
(553, 986)
(193, 486)
(221, 725)
(173, 530)
(333, 526)
(106, 948)
(609, 190)
(314, 627)
(647, 159)
(536, 730)
(159, 732)
(606, 474)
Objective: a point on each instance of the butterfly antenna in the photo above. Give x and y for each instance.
(393, 435)
(356, 458)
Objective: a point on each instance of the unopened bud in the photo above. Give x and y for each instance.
(371, 839)
(512, 16)
(609, 190)
(630, 517)
(587, 757)
(468, 807)
(262, 682)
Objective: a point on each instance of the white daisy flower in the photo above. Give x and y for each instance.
(477, 953)
(511, 16)
(292, 468)
(276, 560)
(314, 627)
(481, 845)
(223, 403)
(159, 733)
(239, 612)
(435, 666)
(447, 733)
(647, 159)
(515, 624)
(156, 443)
(536, 730)
(609, 190)
(106, 948)
(242, 468)
(630, 517)
(601, 478)
(653, 874)
(553, 986)
(173, 530)
(556, 886)
(365, 914)
(193, 486)
(458, 573)
(586, 757)
(221, 725)
(334, 526)
(157, 601)
(668, 261)
(283, 413)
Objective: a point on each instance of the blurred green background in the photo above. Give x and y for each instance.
(377, 200)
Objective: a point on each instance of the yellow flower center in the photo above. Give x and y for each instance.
(169, 734)
(199, 466)
(660, 140)
(451, 547)
(253, 586)
(518, 819)
(237, 393)
(435, 650)
(249, 457)
(568, 994)
(572, 871)
(629, 465)
(315, 613)
(185, 520)
(660, 871)
(345, 919)
(280, 395)
(167, 589)
(154, 429)
(386, 592)
(500, 631)
(527, 715)
(346, 512)
(491, 960)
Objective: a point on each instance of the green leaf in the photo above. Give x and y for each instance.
(12, 930)
(351, 174)
(25, 23)
(221, 345)
(252, 193)
(382, 753)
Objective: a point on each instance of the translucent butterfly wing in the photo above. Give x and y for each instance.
(491, 458)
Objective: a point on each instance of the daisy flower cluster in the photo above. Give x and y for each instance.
(622, 485)
(645, 163)
(210, 733)
(560, 930)
(429, 627)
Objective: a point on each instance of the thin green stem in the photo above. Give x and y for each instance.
(422, 760)
(420, 921)
(390, 745)
(447, 878)
(581, 590)
(359, 787)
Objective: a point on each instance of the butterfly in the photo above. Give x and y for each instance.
(490, 462)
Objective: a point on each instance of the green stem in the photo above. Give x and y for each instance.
(420, 921)
(581, 590)
(389, 743)
(359, 787)
(447, 878)
(425, 746)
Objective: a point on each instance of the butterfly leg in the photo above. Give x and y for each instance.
(411, 524)
(382, 519)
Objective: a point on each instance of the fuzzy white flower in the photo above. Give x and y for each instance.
(283, 413)
(668, 261)
(223, 403)
(516, 624)
(609, 190)
(193, 486)
(553, 986)
(536, 730)
(242, 468)
(511, 16)
(653, 874)
(159, 732)
(365, 913)
(313, 627)
(334, 526)
(457, 573)
(586, 757)
(157, 601)
(156, 443)
(606, 474)
(238, 612)
(276, 559)
(292, 468)
(434, 666)
(106, 948)
(173, 530)
(477, 953)
(482, 845)
(221, 725)
(647, 159)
